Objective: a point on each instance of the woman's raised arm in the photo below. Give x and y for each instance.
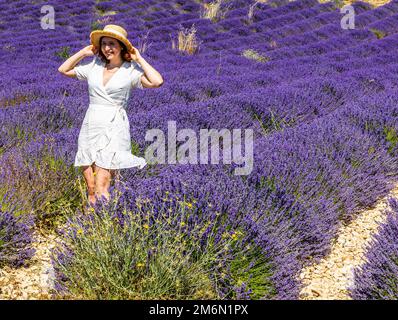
(67, 67)
(151, 77)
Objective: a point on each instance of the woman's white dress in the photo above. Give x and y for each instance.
(104, 136)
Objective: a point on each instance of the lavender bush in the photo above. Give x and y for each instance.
(15, 235)
(377, 279)
(166, 247)
(41, 179)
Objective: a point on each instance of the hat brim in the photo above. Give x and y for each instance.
(97, 34)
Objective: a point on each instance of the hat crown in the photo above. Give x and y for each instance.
(111, 30)
(114, 27)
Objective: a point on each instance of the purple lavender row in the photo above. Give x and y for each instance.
(377, 279)
(15, 233)
(341, 169)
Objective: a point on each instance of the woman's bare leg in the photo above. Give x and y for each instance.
(89, 177)
(103, 181)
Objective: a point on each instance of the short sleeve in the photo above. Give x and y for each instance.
(83, 69)
(136, 74)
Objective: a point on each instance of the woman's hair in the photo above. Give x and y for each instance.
(122, 53)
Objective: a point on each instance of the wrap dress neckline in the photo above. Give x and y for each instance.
(112, 76)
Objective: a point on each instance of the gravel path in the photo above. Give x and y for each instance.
(330, 279)
(34, 281)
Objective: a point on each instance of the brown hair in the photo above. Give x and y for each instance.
(123, 53)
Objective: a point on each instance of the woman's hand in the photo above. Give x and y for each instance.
(89, 51)
(133, 55)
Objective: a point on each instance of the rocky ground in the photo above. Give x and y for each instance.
(331, 278)
(34, 281)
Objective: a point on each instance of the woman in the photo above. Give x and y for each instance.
(104, 143)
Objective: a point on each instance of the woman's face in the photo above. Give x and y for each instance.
(110, 47)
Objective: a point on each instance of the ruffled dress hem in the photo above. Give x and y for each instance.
(108, 160)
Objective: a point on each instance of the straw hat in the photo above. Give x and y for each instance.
(111, 30)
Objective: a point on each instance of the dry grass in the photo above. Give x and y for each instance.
(251, 10)
(213, 10)
(252, 7)
(187, 41)
(252, 54)
(143, 44)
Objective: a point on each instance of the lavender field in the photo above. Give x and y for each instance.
(323, 106)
